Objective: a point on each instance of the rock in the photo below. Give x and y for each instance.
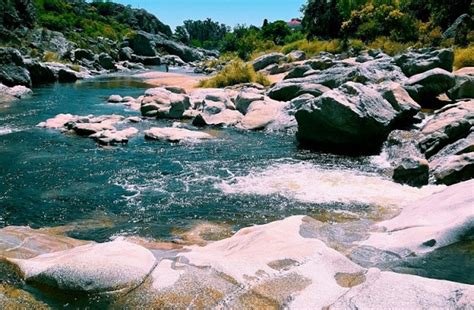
(40, 73)
(162, 103)
(80, 54)
(429, 84)
(93, 268)
(266, 60)
(389, 290)
(245, 98)
(125, 53)
(134, 119)
(115, 99)
(111, 137)
(297, 72)
(428, 223)
(67, 76)
(86, 126)
(463, 89)
(296, 55)
(176, 90)
(12, 68)
(58, 121)
(261, 114)
(419, 61)
(453, 169)
(173, 60)
(106, 61)
(413, 171)
(52, 41)
(16, 92)
(459, 29)
(175, 134)
(287, 91)
(351, 119)
(225, 118)
(88, 129)
(400, 100)
(148, 60)
(25, 242)
(459, 147)
(13, 298)
(142, 44)
(449, 124)
(277, 69)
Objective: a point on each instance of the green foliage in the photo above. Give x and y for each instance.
(202, 33)
(276, 31)
(321, 18)
(464, 57)
(234, 73)
(313, 47)
(390, 47)
(51, 57)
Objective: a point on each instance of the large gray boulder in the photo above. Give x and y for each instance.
(40, 73)
(449, 124)
(161, 103)
(400, 100)
(12, 68)
(419, 61)
(53, 41)
(264, 61)
(459, 29)
(106, 62)
(426, 86)
(463, 89)
(351, 119)
(245, 98)
(80, 54)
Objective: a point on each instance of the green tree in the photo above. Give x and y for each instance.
(276, 31)
(321, 18)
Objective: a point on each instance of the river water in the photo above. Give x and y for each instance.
(151, 189)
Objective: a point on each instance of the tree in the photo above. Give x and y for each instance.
(276, 31)
(321, 18)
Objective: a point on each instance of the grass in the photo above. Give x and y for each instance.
(314, 47)
(234, 73)
(51, 57)
(464, 57)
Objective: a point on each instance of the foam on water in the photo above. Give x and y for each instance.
(5, 130)
(309, 183)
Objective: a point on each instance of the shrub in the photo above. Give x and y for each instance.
(76, 68)
(464, 57)
(388, 46)
(50, 56)
(236, 72)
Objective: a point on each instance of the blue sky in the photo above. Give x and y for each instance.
(230, 12)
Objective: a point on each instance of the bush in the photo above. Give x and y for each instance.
(51, 57)
(388, 46)
(464, 57)
(314, 47)
(236, 72)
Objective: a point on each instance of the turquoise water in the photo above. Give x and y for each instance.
(145, 188)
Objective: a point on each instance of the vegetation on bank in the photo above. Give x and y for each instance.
(236, 72)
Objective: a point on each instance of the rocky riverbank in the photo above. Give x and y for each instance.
(297, 262)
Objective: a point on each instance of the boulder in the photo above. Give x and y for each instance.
(12, 68)
(426, 86)
(453, 169)
(40, 73)
(58, 121)
(173, 60)
(419, 61)
(115, 99)
(459, 147)
(225, 118)
(463, 89)
(162, 103)
(142, 44)
(449, 124)
(351, 119)
(277, 69)
(263, 113)
(67, 76)
(264, 61)
(413, 171)
(52, 41)
(18, 92)
(245, 98)
(148, 60)
(297, 72)
(284, 91)
(428, 223)
(80, 54)
(296, 55)
(106, 62)
(459, 29)
(93, 268)
(400, 100)
(175, 134)
(111, 137)
(126, 54)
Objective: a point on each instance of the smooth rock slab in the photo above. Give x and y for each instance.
(436, 221)
(175, 134)
(93, 268)
(111, 137)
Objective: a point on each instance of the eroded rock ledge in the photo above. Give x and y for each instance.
(280, 264)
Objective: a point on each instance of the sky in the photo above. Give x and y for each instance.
(229, 12)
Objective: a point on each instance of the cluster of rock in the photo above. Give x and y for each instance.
(283, 264)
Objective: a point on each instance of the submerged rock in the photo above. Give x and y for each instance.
(175, 134)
